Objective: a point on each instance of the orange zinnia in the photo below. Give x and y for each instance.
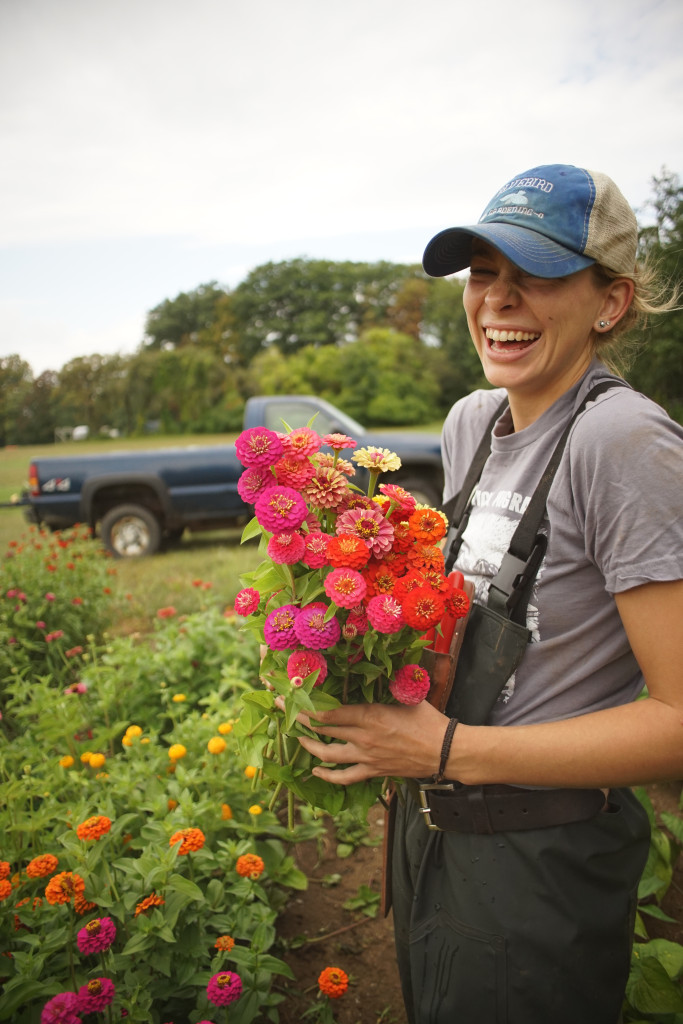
(5, 888)
(224, 943)
(5, 869)
(41, 866)
(81, 905)
(189, 838)
(64, 887)
(249, 865)
(333, 982)
(428, 525)
(94, 828)
(149, 901)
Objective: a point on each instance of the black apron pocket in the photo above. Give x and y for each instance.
(491, 651)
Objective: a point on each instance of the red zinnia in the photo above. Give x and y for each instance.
(347, 549)
(423, 607)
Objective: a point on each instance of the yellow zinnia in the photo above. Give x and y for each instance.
(178, 698)
(255, 809)
(133, 730)
(96, 760)
(250, 771)
(216, 745)
(66, 761)
(224, 728)
(379, 460)
(176, 751)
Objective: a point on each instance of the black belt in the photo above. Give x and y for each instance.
(452, 807)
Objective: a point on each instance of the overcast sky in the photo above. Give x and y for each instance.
(149, 146)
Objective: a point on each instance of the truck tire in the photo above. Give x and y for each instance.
(425, 491)
(130, 531)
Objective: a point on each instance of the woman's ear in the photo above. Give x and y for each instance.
(617, 299)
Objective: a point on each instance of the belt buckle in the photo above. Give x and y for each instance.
(424, 808)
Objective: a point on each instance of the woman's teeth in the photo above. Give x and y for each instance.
(511, 335)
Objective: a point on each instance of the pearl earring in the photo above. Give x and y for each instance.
(604, 323)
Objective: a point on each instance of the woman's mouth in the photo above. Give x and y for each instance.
(510, 341)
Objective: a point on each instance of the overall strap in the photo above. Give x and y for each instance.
(510, 588)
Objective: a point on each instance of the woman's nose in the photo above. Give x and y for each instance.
(501, 293)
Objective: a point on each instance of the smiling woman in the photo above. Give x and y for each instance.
(518, 843)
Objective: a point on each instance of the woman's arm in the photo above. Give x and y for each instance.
(632, 744)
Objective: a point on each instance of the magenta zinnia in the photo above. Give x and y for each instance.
(410, 685)
(279, 628)
(385, 614)
(253, 482)
(280, 508)
(224, 988)
(258, 447)
(96, 995)
(313, 631)
(97, 935)
(286, 548)
(61, 1009)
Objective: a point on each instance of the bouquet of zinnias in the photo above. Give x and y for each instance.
(351, 590)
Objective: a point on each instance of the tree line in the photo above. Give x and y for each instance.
(381, 340)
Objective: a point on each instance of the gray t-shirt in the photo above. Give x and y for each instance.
(613, 522)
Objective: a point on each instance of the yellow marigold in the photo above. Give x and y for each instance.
(178, 698)
(5, 889)
(66, 761)
(148, 902)
(145, 739)
(127, 741)
(381, 460)
(249, 865)
(134, 730)
(5, 869)
(94, 828)
(189, 838)
(224, 943)
(64, 887)
(224, 728)
(255, 809)
(250, 771)
(226, 812)
(81, 905)
(333, 982)
(176, 751)
(96, 760)
(85, 756)
(216, 745)
(41, 866)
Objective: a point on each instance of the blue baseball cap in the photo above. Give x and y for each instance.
(551, 221)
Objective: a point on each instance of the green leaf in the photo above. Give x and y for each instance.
(252, 529)
(137, 944)
(669, 954)
(674, 825)
(650, 990)
(187, 888)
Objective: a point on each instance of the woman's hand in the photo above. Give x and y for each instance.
(376, 740)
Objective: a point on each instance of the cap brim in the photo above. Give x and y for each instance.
(451, 251)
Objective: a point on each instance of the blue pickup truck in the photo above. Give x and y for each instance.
(139, 500)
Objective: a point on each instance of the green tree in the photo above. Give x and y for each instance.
(16, 383)
(658, 367)
(181, 321)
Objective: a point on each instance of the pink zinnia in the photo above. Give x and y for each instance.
(313, 631)
(303, 663)
(370, 524)
(50, 596)
(253, 482)
(315, 553)
(345, 587)
(301, 442)
(61, 1009)
(96, 995)
(293, 472)
(402, 498)
(279, 628)
(385, 614)
(337, 442)
(247, 601)
(280, 509)
(258, 446)
(410, 684)
(327, 489)
(326, 459)
(286, 548)
(359, 621)
(224, 988)
(97, 935)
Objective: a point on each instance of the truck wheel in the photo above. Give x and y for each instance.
(130, 531)
(423, 490)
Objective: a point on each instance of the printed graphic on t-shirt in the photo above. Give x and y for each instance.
(489, 533)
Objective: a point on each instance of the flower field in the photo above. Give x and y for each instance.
(141, 873)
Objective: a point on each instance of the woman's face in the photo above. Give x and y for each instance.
(532, 334)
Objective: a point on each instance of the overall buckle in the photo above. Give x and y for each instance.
(424, 808)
